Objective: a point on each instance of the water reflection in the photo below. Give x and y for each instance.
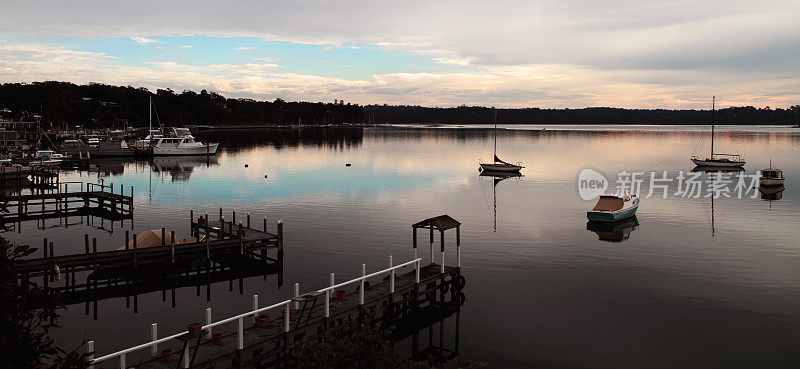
(180, 168)
(497, 178)
(614, 231)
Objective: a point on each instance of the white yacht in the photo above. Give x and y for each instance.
(181, 142)
(47, 158)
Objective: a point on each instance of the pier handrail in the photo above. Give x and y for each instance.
(121, 353)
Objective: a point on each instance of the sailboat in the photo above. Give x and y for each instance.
(717, 159)
(499, 165)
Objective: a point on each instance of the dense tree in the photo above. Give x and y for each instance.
(478, 114)
(95, 104)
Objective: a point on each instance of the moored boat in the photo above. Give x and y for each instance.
(771, 177)
(718, 159)
(499, 165)
(611, 208)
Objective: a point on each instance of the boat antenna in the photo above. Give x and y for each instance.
(713, 98)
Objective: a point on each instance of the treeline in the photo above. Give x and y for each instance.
(100, 105)
(477, 114)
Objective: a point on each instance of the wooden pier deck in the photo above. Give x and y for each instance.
(61, 202)
(262, 345)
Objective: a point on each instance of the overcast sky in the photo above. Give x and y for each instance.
(670, 54)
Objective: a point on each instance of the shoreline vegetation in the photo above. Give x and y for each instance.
(65, 104)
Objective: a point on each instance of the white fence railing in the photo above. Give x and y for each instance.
(286, 304)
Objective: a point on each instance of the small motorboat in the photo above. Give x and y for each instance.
(771, 177)
(612, 208)
(152, 238)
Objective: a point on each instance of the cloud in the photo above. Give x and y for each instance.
(453, 61)
(187, 47)
(144, 40)
(619, 52)
(244, 48)
(550, 85)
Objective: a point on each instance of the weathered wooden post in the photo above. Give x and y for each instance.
(286, 321)
(127, 234)
(280, 236)
(265, 224)
(458, 245)
(191, 221)
(153, 337)
(86, 242)
(416, 272)
(255, 307)
(240, 334)
(328, 299)
(432, 259)
(414, 230)
(296, 294)
(172, 245)
(361, 290)
(90, 353)
(248, 220)
(208, 322)
(163, 236)
(233, 218)
(391, 275)
(441, 233)
(220, 214)
(240, 234)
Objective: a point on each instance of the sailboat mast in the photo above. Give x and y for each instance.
(495, 136)
(713, 98)
(150, 111)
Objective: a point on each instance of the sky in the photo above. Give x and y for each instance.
(550, 54)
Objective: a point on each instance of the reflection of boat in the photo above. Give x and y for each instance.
(771, 192)
(180, 167)
(499, 165)
(497, 178)
(613, 231)
(612, 208)
(700, 168)
(717, 159)
(771, 176)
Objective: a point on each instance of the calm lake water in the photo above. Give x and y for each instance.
(680, 290)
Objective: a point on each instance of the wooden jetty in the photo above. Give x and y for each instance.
(109, 283)
(68, 199)
(18, 176)
(210, 242)
(268, 338)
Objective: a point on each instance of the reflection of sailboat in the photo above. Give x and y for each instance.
(499, 165)
(717, 159)
(497, 178)
(613, 232)
(711, 179)
(180, 167)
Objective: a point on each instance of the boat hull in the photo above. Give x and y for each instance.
(209, 149)
(500, 168)
(770, 182)
(612, 216)
(718, 163)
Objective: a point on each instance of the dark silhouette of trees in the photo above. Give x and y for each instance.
(478, 114)
(103, 105)
(64, 103)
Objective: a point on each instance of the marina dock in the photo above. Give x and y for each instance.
(265, 336)
(67, 199)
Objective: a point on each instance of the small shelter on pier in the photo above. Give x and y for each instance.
(440, 223)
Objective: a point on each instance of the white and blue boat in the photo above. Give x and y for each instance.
(612, 208)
